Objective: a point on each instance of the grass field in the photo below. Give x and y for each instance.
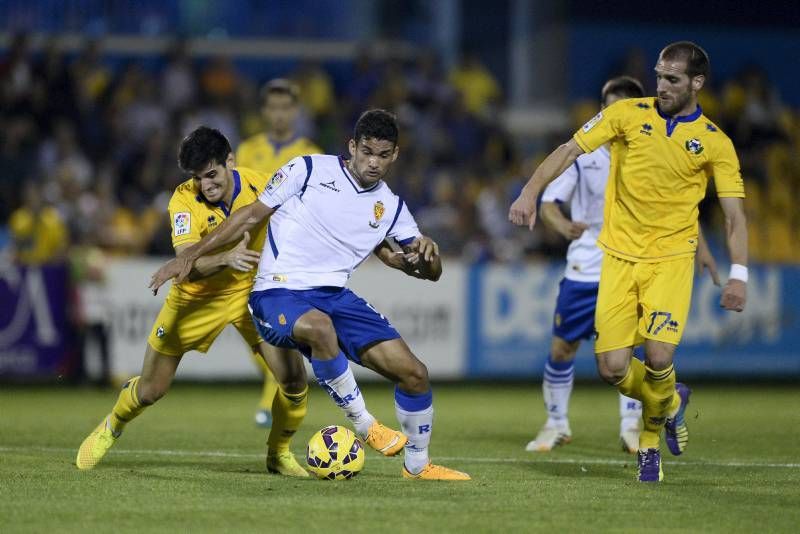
(195, 462)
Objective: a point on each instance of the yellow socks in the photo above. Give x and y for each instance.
(127, 406)
(631, 384)
(288, 411)
(270, 384)
(658, 396)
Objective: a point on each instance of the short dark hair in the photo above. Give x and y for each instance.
(280, 86)
(201, 147)
(697, 62)
(376, 124)
(623, 86)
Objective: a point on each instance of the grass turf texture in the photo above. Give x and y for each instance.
(195, 462)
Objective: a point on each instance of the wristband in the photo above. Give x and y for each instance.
(738, 272)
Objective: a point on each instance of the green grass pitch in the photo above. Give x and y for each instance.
(195, 463)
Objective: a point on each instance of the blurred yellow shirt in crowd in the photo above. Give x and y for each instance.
(652, 196)
(261, 154)
(38, 237)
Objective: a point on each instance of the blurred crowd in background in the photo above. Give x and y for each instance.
(88, 148)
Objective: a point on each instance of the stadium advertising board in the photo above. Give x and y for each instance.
(35, 339)
(510, 313)
(429, 316)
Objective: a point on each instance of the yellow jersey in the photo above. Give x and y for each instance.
(660, 168)
(261, 154)
(192, 217)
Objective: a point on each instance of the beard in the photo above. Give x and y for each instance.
(676, 104)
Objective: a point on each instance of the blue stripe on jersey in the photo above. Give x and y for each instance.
(309, 166)
(272, 244)
(396, 215)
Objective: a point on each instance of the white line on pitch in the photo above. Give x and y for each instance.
(532, 461)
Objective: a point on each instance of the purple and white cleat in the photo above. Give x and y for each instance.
(675, 430)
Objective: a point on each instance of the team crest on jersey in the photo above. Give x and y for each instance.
(183, 223)
(282, 320)
(377, 211)
(276, 181)
(694, 146)
(160, 332)
(594, 120)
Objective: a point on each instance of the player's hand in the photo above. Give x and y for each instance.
(734, 295)
(178, 268)
(422, 247)
(523, 210)
(704, 260)
(572, 229)
(240, 257)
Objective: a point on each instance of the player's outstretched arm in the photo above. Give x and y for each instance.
(233, 228)
(704, 259)
(523, 210)
(734, 294)
(239, 258)
(554, 218)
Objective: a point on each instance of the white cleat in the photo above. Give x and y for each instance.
(550, 437)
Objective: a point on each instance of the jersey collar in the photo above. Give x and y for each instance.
(353, 181)
(672, 122)
(277, 146)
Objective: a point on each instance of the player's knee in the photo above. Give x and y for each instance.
(150, 393)
(658, 359)
(316, 330)
(562, 351)
(416, 378)
(610, 370)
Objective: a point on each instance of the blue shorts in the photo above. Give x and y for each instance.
(574, 316)
(357, 324)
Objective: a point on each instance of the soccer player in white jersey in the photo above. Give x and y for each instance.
(326, 216)
(583, 186)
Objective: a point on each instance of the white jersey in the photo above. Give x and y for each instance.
(583, 185)
(326, 224)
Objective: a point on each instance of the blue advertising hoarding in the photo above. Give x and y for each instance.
(510, 315)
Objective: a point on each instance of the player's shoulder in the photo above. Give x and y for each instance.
(712, 130)
(307, 146)
(186, 193)
(252, 142)
(633, 106)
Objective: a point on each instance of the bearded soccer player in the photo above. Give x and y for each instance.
(214, 296)
(266, 152)
(650, 236)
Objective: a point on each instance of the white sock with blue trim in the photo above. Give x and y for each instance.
(337, 379)
(415, 413)
(556, 389)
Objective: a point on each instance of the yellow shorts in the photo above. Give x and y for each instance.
(638, 301)
(190, 323)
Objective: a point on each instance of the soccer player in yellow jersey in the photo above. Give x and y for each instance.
(196, 311)
(663, 152)
(267, 152)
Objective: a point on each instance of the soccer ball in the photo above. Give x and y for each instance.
(335, 453)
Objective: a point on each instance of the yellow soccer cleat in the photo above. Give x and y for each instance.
(284, 463)
(383, 439)
(95, 446)
(436, 472)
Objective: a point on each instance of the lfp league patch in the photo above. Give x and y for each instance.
(594, 120)
(276, 181)
(183, 223)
